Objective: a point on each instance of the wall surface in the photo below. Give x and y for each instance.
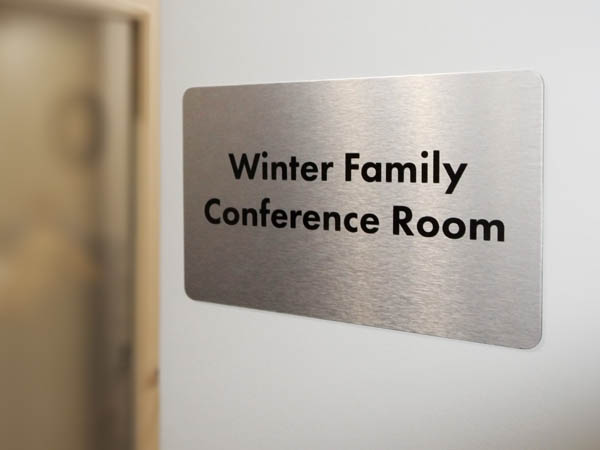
(235, 378)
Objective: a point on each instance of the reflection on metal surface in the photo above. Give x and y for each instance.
(411, 203)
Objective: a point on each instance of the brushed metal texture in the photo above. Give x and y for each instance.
(476, 290)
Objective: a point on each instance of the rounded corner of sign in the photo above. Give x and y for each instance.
(536, 76)
(188, 292)
(186, 93)
(534, 343)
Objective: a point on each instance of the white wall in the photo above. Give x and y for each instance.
(234, 378)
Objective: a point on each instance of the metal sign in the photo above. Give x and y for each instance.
(412, 203)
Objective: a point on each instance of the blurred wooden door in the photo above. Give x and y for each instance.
(66, 230)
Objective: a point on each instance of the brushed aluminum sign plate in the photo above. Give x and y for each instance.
(412, 203)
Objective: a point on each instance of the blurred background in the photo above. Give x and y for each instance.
(67, 227)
